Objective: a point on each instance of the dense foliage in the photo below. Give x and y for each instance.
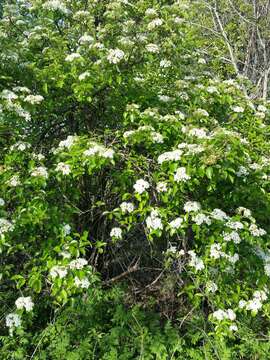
(135, 178)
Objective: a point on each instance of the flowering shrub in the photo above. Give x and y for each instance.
(132, 177)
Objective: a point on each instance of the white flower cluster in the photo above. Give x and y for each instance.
(235, 225)
(55, 5)
(154, 23)
(84, 75)
(191, 149)
(58, 271)
(2, 202)
(165, 63)
(78, 264)
(86, 39)
(211, 287)
(255, 303)
(82, 283)
(70, 140)
(152, 48)
(20, 145)
(256, 231)
(242, 171)
(63, 168)
(232, 236)
(14, 181)
(24, 303)
(218, 214)
(217, 253)
(73, 56)
(154, 222)
(116, 233)
(181, 175)
(176, 223)
(197, 132)
(13, 320)
(5, 226)
(99, 150)
(40, 171)
(127, 207)
(34, 99)
(195, 261)
(61, 271)
(115, 56)
(140, 186)
(228, 314)
(192, 206)
(161, 187)
(200, 218)
(174, 155)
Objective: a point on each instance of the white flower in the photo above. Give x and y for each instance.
(127, 207)
(195, 261)
(66, 229)
(242, 304)
(152, 48)
(176, 223)
(115, 56)
(82, 283)
(244, 211)
(68, 142)
(153, 222)
(255, 231)
(150, 12)
(14, 181)
(235, 225)
(157, 137)
(199, 219)
(85, 39)
(5, 226)
(262, 108)
(254, 305)
(174, 155)
(201, 112)
(215, 251)
(260, 294)
(154, 23)
(78, 263)
(63, 168)
(165, 63)
(13, 320)
(242, 171)
(219, 215)
(164, 98)
(233, 236)
(40, 171)
(55, 5)
(232, 258)
(201, 61)
(24, 302)
(238, 109)
(181, 175)
(224, 314)
(231, 314)
(84, 75)
(212, 89)
(58, 271)
(211, 287)
(72, 57)
(140, 186)
(116, 232)
(34, 99)
(220, 314)
(2, 202)
(199, 133)
(161, 187)
(21, 146)
(192, 206)
(233, 327)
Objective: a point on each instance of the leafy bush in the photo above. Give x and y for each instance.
(134, 189)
